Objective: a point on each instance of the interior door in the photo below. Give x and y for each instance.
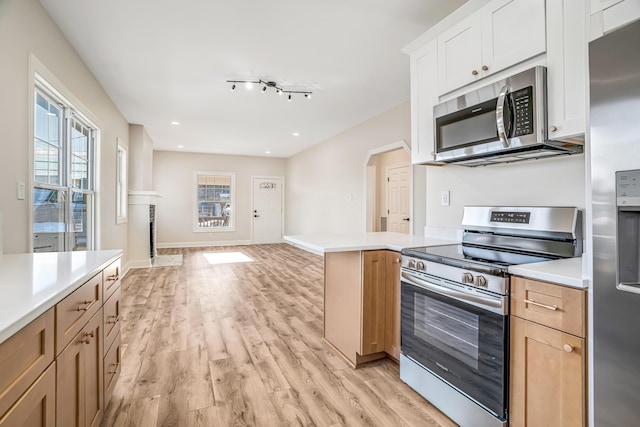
(398, 199)
(267, 210)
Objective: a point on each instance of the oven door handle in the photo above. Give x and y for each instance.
(502, 130)
(461, 296)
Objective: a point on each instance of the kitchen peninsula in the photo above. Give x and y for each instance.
(362, 290)
(59, 336)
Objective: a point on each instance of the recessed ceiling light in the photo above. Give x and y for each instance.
(180, 146)
(267, 152)
(175, 123)
(296, 134)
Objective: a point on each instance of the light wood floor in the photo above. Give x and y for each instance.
(241, 345)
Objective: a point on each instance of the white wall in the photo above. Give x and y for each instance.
(26, 28)
(326, 183)
(173, 179)
(550, 182)
(140, 159)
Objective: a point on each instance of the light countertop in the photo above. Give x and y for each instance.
(566, 272)
(321, 243)
(30, 284)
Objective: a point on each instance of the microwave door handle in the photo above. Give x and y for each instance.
(502, 131)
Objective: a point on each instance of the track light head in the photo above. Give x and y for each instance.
(279, 91)
(264, 89)
(289, 99)
(307, 95)
(233, 87)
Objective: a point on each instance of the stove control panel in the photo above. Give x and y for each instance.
(476, 279)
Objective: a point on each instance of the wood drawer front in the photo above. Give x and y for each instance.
(111, 313)
(535, 301)
(37, 406)
(23, 357)
(111, 278)
(111, 369)
(73, 312)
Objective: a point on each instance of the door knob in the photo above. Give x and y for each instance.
(485, 68)
(256, 216)
(406, 219)
(568, 348)
(474, 72)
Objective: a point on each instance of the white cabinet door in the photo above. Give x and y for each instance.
(566, 68)
(424, 95)
(512, 31)
(502, 34)
(460, 54)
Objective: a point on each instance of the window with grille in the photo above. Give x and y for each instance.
(63, 176)
(214, 206)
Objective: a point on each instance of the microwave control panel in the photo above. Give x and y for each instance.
(523, 111)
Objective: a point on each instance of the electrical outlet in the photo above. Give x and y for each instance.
(445, 198)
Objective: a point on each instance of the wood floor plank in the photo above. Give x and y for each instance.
(241, 345)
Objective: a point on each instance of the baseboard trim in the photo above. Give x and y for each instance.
(202, 244)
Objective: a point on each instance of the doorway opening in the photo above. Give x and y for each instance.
(389, 188)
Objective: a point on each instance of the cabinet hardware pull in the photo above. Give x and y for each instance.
(568, 348)
(485, 68)
(87, 305)
(116, 368)
(112, 277)
(115, 319)
(474, 72)
(548, 307)
(553, 128)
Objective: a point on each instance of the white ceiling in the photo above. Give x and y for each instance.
(168, 60)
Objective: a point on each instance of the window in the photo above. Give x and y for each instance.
(214, 201)
(121, 185)
(63, 179)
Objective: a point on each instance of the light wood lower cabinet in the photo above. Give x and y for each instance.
(392, 313)
(79, 378)
(548, 364)
(359, 312)
(36, 407)
(23, 357)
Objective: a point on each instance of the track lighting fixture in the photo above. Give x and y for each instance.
(270, 84)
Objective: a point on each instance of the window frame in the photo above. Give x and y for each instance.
(195, 205)
(122, 183)
(70, 114)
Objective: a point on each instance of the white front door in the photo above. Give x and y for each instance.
(398, 199)
(267, 210)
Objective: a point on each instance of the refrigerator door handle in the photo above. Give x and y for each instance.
(629, 287)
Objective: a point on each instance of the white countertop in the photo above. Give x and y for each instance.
(30, 284)
(321, 243)
(566, 272)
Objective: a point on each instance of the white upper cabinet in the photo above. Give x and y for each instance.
(424, 95)
(460, 54)
(566, 65)
(609, 15)
(502, 34)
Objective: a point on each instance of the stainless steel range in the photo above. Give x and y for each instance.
(455, 306)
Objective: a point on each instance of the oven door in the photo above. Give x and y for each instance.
(463, 342)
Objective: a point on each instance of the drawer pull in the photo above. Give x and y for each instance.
(568, 348)
(87, 304)
(548, 307)
(115, 365)
(112, 277)
(87, 338)
(114, 320)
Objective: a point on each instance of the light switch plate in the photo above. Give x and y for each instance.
(444, 198)
(21, 190)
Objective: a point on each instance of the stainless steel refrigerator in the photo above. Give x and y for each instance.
(614, 65)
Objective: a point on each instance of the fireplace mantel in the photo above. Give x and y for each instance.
(143, 197)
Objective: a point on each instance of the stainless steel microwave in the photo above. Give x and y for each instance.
(502, 122)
